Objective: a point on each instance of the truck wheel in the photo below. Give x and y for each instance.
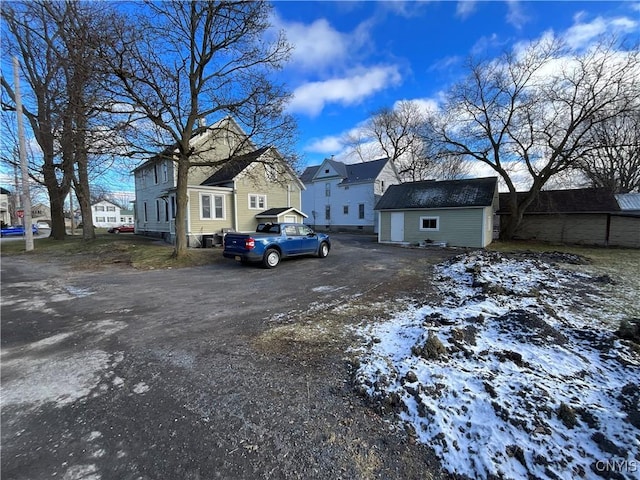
(271, 258)
(323, 251)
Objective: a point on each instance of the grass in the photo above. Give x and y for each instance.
(128, 250)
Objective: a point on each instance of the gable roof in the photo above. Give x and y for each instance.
(198, 136)
(350, 172)
(275, 212)
(474, 192)
(577, 200)
(233, 167)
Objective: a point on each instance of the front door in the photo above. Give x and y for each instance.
(397, 226)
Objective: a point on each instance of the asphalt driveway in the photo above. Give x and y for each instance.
(224, 371)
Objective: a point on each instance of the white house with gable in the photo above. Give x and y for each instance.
(341, 196)
(106, 214)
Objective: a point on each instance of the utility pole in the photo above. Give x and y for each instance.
(26, 196)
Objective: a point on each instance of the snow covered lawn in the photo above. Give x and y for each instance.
(518, 373)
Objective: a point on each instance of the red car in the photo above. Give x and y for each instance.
(122, 229)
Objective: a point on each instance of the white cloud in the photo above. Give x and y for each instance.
(326, 145)
(465, 8)
(515, 14)
(581, 34)
(312, 97)
(318, 44)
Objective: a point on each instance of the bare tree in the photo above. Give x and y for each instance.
(401, 134)
(57, 42)
(532, 111)
(192, 60)
(613, 162)
(32, 36)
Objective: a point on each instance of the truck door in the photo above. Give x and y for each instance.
(293, 243)
(308, 240)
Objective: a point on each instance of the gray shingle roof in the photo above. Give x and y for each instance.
(577, 200)
(475, 192)
(362, 172)
(308, 174)
(350, 172)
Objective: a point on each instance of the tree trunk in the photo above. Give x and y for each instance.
(181, 207)
(57, 190)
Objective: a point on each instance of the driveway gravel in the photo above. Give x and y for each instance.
(223, 371)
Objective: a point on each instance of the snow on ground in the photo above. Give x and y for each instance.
(513, 375)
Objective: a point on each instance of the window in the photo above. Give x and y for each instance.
(211, 206)
(111, 219)
(257, 202)
(165, 172)
(99, 219)
(111, 208)
(361, 211)
(166, 211)
(345, 209)
(158, 209)
(155, 173)
(99, 208)
(327, 189)
(173, 207)
(430, 224)
(218, 206)
(144, 212)
(327, 212)
(290, 230)
(123, 220)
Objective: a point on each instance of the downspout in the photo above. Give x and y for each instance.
(235, 207)
(188, 217)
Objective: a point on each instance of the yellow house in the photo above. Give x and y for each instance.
(254, 187)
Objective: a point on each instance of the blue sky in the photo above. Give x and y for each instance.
(352, 58)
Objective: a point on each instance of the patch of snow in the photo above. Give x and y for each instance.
(62, 378)
(521, 352)
(141, 388)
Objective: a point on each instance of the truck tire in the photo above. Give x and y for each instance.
(323, 250)
(271, 258)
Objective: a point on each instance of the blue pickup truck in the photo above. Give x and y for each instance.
(274, 241)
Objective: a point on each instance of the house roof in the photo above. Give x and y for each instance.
(309, 173)
(474, 192)
(628, 201)
(578, 200)
(232, 168)
(4, 191)
(275, 212)
(363, 172)
(350, 172)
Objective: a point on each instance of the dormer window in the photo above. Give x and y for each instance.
(326, 171)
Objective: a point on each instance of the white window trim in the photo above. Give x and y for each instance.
(258, 196)
(437, 219)
(212, 197)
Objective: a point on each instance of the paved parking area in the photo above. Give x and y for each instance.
(222, 371)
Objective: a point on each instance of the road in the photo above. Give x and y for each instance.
(222, 371)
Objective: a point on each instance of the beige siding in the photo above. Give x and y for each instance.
(457, 227)
(284, 193)
(199, 226)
